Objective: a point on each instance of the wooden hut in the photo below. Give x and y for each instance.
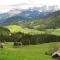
(56, 55)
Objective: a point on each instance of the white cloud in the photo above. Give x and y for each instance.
(46, 2)
(11, 2)
(36, 2)
(5, 5)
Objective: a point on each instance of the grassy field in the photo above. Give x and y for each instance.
(29, 52)
(16, 28)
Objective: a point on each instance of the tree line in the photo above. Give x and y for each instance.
(27, 39)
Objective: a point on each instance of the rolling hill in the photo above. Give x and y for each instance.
(28, 14)
(50, 21)
(16, 28)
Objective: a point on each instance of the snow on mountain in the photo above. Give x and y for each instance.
(18, 12)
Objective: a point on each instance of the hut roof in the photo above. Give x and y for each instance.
(56, 53)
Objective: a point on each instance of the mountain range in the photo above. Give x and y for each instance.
(36, 17)
(26, 14)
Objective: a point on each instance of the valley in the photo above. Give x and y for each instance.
(29, 34)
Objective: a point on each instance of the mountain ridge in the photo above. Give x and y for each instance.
(26, 14)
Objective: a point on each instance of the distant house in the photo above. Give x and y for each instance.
(56, 55)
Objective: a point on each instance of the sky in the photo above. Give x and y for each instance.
(11, 2)
(6, 5)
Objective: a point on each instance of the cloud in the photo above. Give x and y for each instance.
(35, 2)
(11, 2)
(46, 2)
(6, 5)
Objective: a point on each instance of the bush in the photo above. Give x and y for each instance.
(1, 45)
(18, 44)
(52, 49)
(48, 53)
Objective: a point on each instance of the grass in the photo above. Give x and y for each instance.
(56, 32)
(16, 28)
(29, 52)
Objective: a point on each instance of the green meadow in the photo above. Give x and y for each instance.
(28, 52)
(16, 28)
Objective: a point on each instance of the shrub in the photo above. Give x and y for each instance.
(52, 49)
(1, 45)
(18, 44)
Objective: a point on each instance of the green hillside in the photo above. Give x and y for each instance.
(4, 31)
(51, 21)
(56, 32)
(16, 28)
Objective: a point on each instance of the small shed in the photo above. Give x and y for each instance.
(56, 55)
